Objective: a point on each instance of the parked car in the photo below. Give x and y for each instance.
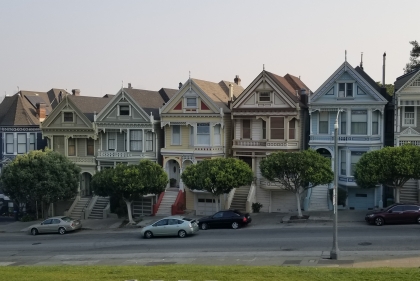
(228, 218)
(171, 226)
(396, 213)
(59, 224)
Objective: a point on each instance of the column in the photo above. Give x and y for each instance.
(128, 140)
(143, 140)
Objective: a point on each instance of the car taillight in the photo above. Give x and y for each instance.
(190, 224)
(72, 224)
(244, 219)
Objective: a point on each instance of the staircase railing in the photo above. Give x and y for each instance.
(156, 206)
(179, 205)
(229, 199)
(70, 210)
(251, 198)
(106, 210)
(88, 209)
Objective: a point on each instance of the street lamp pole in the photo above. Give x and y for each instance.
(335, 252)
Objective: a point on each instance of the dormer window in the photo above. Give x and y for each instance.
(192, 102)
(124, 110)
(264, 97)
(345, 90)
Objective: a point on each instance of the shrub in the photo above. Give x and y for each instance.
(27, 217)
(256, 207)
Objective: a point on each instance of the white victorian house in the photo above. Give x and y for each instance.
(361, 129)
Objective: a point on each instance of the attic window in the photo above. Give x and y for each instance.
(68, 117)
(416, 83)
(264, 97)
(191, 102)
(345, 90)
(124, 110)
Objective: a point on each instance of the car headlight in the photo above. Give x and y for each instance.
(371, 215)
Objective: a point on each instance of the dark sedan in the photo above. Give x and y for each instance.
(228, 218)
(396, 213)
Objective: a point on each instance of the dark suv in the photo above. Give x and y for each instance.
(396, 213)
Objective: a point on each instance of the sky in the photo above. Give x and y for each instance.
(99, 45)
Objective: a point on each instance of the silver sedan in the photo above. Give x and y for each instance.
(171, 226)
(55, 225)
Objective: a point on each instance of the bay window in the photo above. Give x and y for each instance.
(203, 133)
(149, 141)
(343, 123)
(71, 147)
(292, 129)
(21, 143)
(176, 134)
(264, 130)
(359, 122)
(217, 136)
(136, 140)
(323, 123)
(111, 141)
(191, 135)
(277, 128)
(409, 116)
(9, 143)
(375, 123)
(32, 145)
(246, 129)
(90, 147)
(343, 168)
(355, 157)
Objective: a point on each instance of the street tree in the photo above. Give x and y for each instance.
(414, 57)
(217, 176)
(44, 176)
(297, 171)
(389, 88)
(389, 166)
(130, 182)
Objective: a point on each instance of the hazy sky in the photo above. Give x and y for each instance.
(95, 45)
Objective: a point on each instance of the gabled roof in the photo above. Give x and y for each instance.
(20, 109)
(404, 80)
(89, 105)
(150, 101)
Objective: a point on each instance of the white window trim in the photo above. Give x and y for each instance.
(75, 147)
(119, 108)
(270, 95)
(29, 142)
(172, 135)
(214, 134)
(345, 89)
(68, 122)
(209, 134)
(13, 143)
(186, 102)
(250, 129)
(328, 120)
(115, 141)
(415, 118)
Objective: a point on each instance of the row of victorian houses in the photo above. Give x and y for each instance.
(202, 120)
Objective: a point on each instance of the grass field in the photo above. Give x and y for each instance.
(200, 273)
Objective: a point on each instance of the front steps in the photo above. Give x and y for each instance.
(98, 210)
(239, 199)
(165, 207)
(77, 211)
(319, 198)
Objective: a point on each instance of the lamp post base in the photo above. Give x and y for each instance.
(334, 254)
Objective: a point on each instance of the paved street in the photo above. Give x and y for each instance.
(298, 244)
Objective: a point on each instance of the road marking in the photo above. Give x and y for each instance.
(6, 263)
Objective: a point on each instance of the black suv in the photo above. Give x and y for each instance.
(396, 213)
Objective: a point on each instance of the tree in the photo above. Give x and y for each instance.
(217, 176)
(389, 166)
(414, 58)
(389, 88)
(44, 176)
(130, 182)
(297, 171)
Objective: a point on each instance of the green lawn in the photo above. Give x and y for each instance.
(196, 272)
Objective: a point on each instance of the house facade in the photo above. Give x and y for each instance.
(350, 95)
(20, 118)
(270, 115)
(407, 125)
(197, 126)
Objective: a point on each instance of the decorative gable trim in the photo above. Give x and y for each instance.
(415, 78)
(410, 131)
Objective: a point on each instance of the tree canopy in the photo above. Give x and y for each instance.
(414, 57)
(218, 176)
(44, 176)
(297, 171)
(390, 166)
(130, 182)
(389, 88)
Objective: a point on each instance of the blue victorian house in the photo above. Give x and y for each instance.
(360, 105)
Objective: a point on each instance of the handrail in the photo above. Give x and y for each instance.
(229, 199)
(106, 210)
(156, 206)
(76, 200)
(251, 198)
(178, 206)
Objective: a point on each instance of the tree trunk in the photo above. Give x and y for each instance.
(397, 195)
(298, 204)
(130, 217)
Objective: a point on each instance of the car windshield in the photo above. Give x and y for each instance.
(66, 219)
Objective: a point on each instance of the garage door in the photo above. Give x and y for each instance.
(283, 201)
(206, 204)
(361, 199)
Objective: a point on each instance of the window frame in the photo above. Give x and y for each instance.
(346, 89)
(292, 129)
(172, 135)
(90, 143)
(149, 137)
(353, 165)
(264, 129)
(343, 123)
(266, 97)
(125, 111)
(191, 106)
(248, 129)
(404, 123)
(138, 141)
(73, 145)
(343, 162)
(327, 113)
(10, 144)
(65, 119)
(217, 138)
(203, 134)
(375, 113)
(32, 145)
(114, 134)
(277, 128)
(25, 143)
(354, 112)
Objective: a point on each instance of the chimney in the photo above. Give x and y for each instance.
(60, 96)
(230, 92)
(76, 92)
(361, 61)
(383, 72)
(237, 80)
(129, 86)
(180, 85)
(303, 96)
(41, 111)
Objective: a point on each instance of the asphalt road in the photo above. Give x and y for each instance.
(120, 245)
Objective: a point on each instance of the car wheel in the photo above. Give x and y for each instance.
(418, 220)
(62, 230)
(182, 233)
(148, 234)
(379, 221)
(235, 225)
(34, 231)
(204, 226)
